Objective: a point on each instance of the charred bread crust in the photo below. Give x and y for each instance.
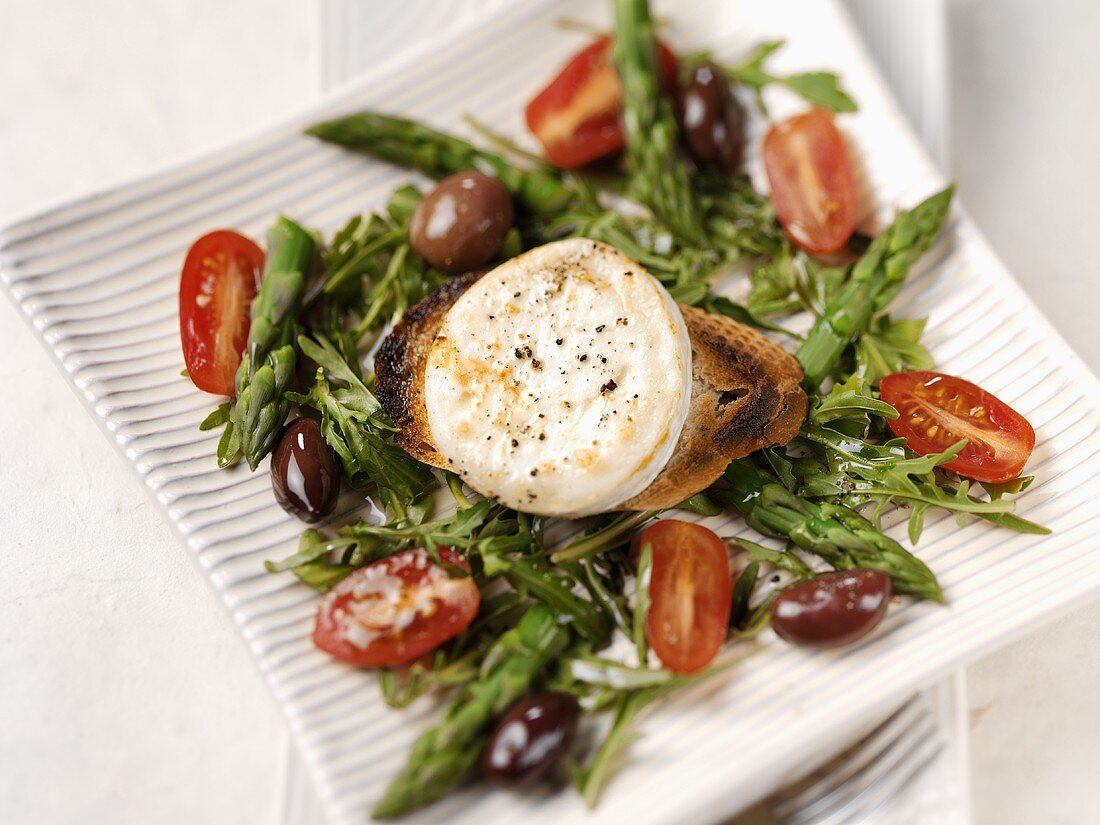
(745, 395)
(399, 368)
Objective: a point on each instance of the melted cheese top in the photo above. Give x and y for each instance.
(558, 384)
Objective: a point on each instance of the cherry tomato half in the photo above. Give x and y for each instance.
(936, 411)
(219, 280)
(577, 117)
(396, 610)
(690, 592)
(811, 179)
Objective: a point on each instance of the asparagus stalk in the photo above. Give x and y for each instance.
(436, 154)
(271, 358)
(659, 178)
(875, 280)
(834, 532)
(443, 757)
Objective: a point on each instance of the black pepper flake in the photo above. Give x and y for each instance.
(542, 436)
(601, 327)
(559, 341)
(515, 443)
(610, 386)
(492, 317)
(515, 294)
(534, 472)
(622, 321)
(519, 352)
(582, 358)
(603, 360)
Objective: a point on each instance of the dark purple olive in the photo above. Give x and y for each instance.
(305, 474)
(712, 118)
(531, 739)
(833, 609)
(461, 224)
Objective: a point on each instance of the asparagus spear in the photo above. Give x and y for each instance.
(271, 358)
(659, 178)
(443, 757)
(436, 154)
(834, 532)
(875, 280)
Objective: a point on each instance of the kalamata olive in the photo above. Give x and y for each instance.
(833, 609)
(462, 222)
(531, 739)
(305, 474)
(712, 118)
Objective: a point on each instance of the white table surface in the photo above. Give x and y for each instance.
(125, 696)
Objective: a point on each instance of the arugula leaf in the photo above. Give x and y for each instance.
(628, 704)
(889, 474)
(355, 427)
(791, 280)
(721, 305)
(449, 667)
(784, 561)
(356, 395)
(848, 408)
(368, 269)
(700, 505)
(774, 287)
(614, 532)
(312, 545)
(891, 346)
(456, 530)
(817, 88)
(322, 576)
(528, 571)
(1016, 485)
(607, 673)
(220, 415)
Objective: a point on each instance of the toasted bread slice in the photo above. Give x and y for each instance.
(745, 395)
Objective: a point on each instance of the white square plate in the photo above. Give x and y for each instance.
(97, 279)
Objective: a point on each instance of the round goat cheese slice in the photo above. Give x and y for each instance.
(559, 382)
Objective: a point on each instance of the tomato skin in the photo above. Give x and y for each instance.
(937, 411)
(690, 590)
(356, 621)
(811, 179)
(577, 116)
(220, 278)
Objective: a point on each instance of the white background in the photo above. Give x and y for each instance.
(123, 697)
